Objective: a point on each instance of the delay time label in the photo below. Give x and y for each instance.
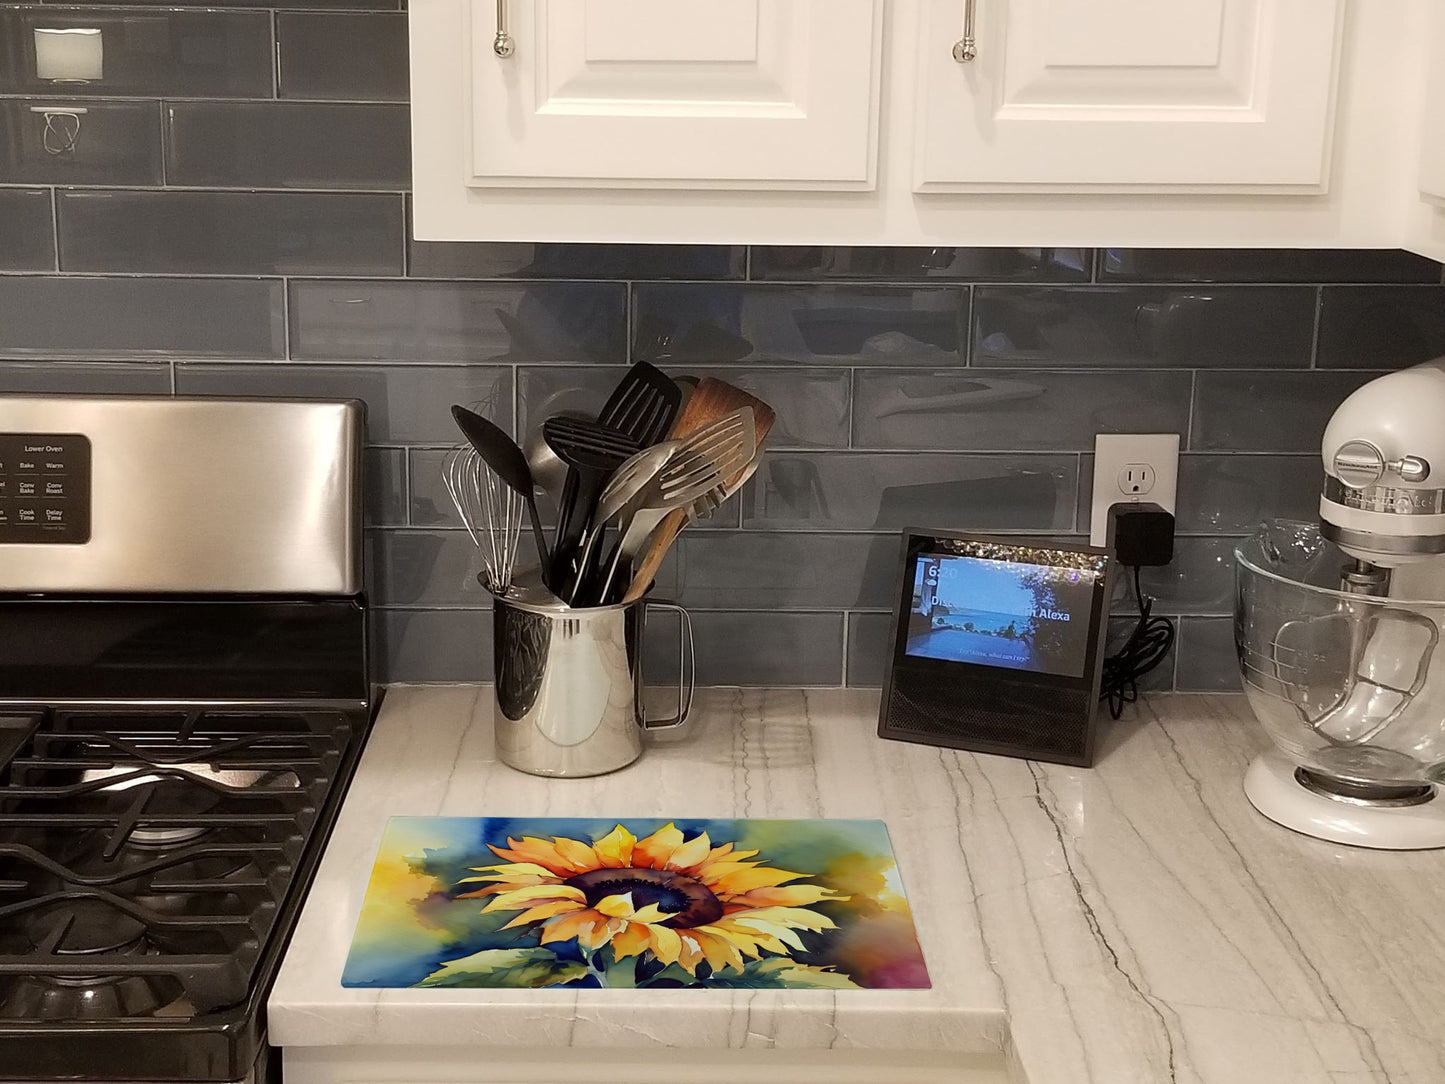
(45, 488)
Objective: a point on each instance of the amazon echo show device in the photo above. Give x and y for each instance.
(997, 645)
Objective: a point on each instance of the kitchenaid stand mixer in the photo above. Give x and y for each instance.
(1337, 627)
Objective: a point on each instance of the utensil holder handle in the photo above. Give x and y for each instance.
(687, 676)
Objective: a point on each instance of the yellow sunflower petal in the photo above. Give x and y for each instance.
(690, 854)
(720, 952)
(580, 856)
(546, 910)
(690, 952)
(601, 933)
(538, 851)
(650, 913)
(510, 869)
(793, 918)
(569, 926)
(666, 944)
(632, 941)
(617, 906)
(614, 850)
(654, 851)
(739, 881)
(784, 896)
(530, 895)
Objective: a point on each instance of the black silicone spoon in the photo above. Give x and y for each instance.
(500, 452)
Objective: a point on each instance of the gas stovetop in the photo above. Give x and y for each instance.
(183, 698)
(146, 859)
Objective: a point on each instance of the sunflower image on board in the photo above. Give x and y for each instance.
(650, 904)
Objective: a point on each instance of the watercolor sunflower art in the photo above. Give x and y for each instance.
(655, 904)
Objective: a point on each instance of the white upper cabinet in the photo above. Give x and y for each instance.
(674, 94)
(1128, 95)
(1252, 123)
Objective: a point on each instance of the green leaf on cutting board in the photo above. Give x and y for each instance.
(524, 967)
(773, 973)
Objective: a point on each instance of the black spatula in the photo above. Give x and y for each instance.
(592, 452)
(643, 405)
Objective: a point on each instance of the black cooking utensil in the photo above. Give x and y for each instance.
(500, 452)
(592, 452)
(643, 405)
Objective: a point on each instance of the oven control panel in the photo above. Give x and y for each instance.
(44, 488)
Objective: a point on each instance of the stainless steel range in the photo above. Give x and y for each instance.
(183, 697)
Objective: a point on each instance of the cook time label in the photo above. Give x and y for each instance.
(44, 488)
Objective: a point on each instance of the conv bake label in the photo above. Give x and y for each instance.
(44, 488)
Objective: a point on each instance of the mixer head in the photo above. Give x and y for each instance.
(1384, 456)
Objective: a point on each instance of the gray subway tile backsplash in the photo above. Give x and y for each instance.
(405, 404)
(896, 264)
(109, 143)
(1232, 494)
(1381, 327)
(329, 145)
(431, 645)
(346, 56)
(1207, 660)
(230, 233)
(27, 230)
(122, 317)
(868, 648)
(1264, 265)
(505, 259)
(829, 491)
(1267, 412)
(1028, 410)
(1109, 327)
(91, 377)
(147, 53)
(233, 219)
(450, 321)
(386, 502)
(722, 323)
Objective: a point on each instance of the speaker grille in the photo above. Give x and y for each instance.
(1001, 716)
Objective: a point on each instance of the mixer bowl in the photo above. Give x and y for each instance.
(1349, 687)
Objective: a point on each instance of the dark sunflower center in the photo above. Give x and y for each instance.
(686, 902)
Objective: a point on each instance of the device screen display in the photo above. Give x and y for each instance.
(1001, 613)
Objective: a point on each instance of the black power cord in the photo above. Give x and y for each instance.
(1145, 649)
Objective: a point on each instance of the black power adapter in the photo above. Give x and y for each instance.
(1140, 533)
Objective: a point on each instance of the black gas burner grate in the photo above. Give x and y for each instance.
(145, 856)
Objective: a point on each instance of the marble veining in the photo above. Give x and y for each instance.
(1137, 922)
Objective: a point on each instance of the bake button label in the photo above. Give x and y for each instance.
(27, 464)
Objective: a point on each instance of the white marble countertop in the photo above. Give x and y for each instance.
(1137, 922)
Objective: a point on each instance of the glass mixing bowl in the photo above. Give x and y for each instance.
(1351, 687)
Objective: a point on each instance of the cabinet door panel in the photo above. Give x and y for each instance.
(1128, 95)
(677, 94)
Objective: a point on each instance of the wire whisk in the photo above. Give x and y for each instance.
(491, 510)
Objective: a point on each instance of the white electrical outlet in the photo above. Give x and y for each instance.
(1132, 467)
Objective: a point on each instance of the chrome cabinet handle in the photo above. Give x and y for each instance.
(502, 44)
(966, 47)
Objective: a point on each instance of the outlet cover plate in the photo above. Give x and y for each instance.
(1115, 451)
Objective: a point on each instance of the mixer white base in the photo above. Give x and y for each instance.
(1271, 787)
